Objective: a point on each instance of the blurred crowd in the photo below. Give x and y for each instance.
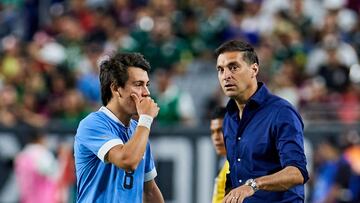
(309, 54)
(50, 50)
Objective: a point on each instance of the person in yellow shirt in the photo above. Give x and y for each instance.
(217, 138)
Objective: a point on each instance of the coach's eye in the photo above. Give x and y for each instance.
(233, 68)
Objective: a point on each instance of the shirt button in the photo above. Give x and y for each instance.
(239, 138)
(238, 159)
(240, 181)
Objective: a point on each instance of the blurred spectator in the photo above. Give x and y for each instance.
(31, 112)
(326, 161)
(66, 186)
(316, 103)
(344, 53)
(346, 188)
(349, 108)
(334, 72)
(188, 28)
(300, 19)
(8, 107)
(40, 176)
(213, 20)
(123, 12)
(256, 23)
(176, 105)
(163, 48)
(289, 43)
(31, 15)
(36, 171)
(234, 29)
(10, 65)
(88, 81)
(345, 18)
(10, 15)
(73, 108)
(284, 83)
(71, 36)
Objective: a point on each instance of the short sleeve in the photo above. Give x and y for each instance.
(288, 131)
(150, 170)
(96, 135)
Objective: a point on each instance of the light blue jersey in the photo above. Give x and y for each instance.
(98, 181)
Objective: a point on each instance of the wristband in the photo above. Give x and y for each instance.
(145, 120)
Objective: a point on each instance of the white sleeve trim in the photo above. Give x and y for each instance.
(150, 175)
(105, 148)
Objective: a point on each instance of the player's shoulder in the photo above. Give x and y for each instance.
(93, 118)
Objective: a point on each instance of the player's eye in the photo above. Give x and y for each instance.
(138, 84)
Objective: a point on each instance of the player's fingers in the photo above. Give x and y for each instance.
(135, 98)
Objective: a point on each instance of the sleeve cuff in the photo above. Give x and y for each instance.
(150, 175)
(303, 171)
(104, 149)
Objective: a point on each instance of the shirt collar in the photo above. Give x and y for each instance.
(110, 114)
(261, 94)
(256, 99)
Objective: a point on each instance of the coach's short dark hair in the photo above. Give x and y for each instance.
(249, 55)
(115, 71)
(218, 113)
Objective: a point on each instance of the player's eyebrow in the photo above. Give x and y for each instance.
(140, 82)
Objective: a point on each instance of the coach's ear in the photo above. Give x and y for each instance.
(255, 69)
(115, 90)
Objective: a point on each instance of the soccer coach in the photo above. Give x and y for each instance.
(263, 133)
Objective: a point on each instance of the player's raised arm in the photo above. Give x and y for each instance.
(128, 156)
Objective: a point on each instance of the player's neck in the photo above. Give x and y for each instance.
(119, 113)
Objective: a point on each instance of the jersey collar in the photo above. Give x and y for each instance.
(110, 114)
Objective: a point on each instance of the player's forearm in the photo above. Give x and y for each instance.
(152, 193)
(131, 153)
(154, 198)
(281, 181)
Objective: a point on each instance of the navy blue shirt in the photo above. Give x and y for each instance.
(267, 138)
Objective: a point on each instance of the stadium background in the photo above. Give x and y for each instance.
(50, 50)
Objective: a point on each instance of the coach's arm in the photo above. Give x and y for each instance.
(152, 193)
(282, 180)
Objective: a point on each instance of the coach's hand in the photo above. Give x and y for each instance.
(238, 194)
(146, 106)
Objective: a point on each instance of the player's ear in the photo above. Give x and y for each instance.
(115, 90)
